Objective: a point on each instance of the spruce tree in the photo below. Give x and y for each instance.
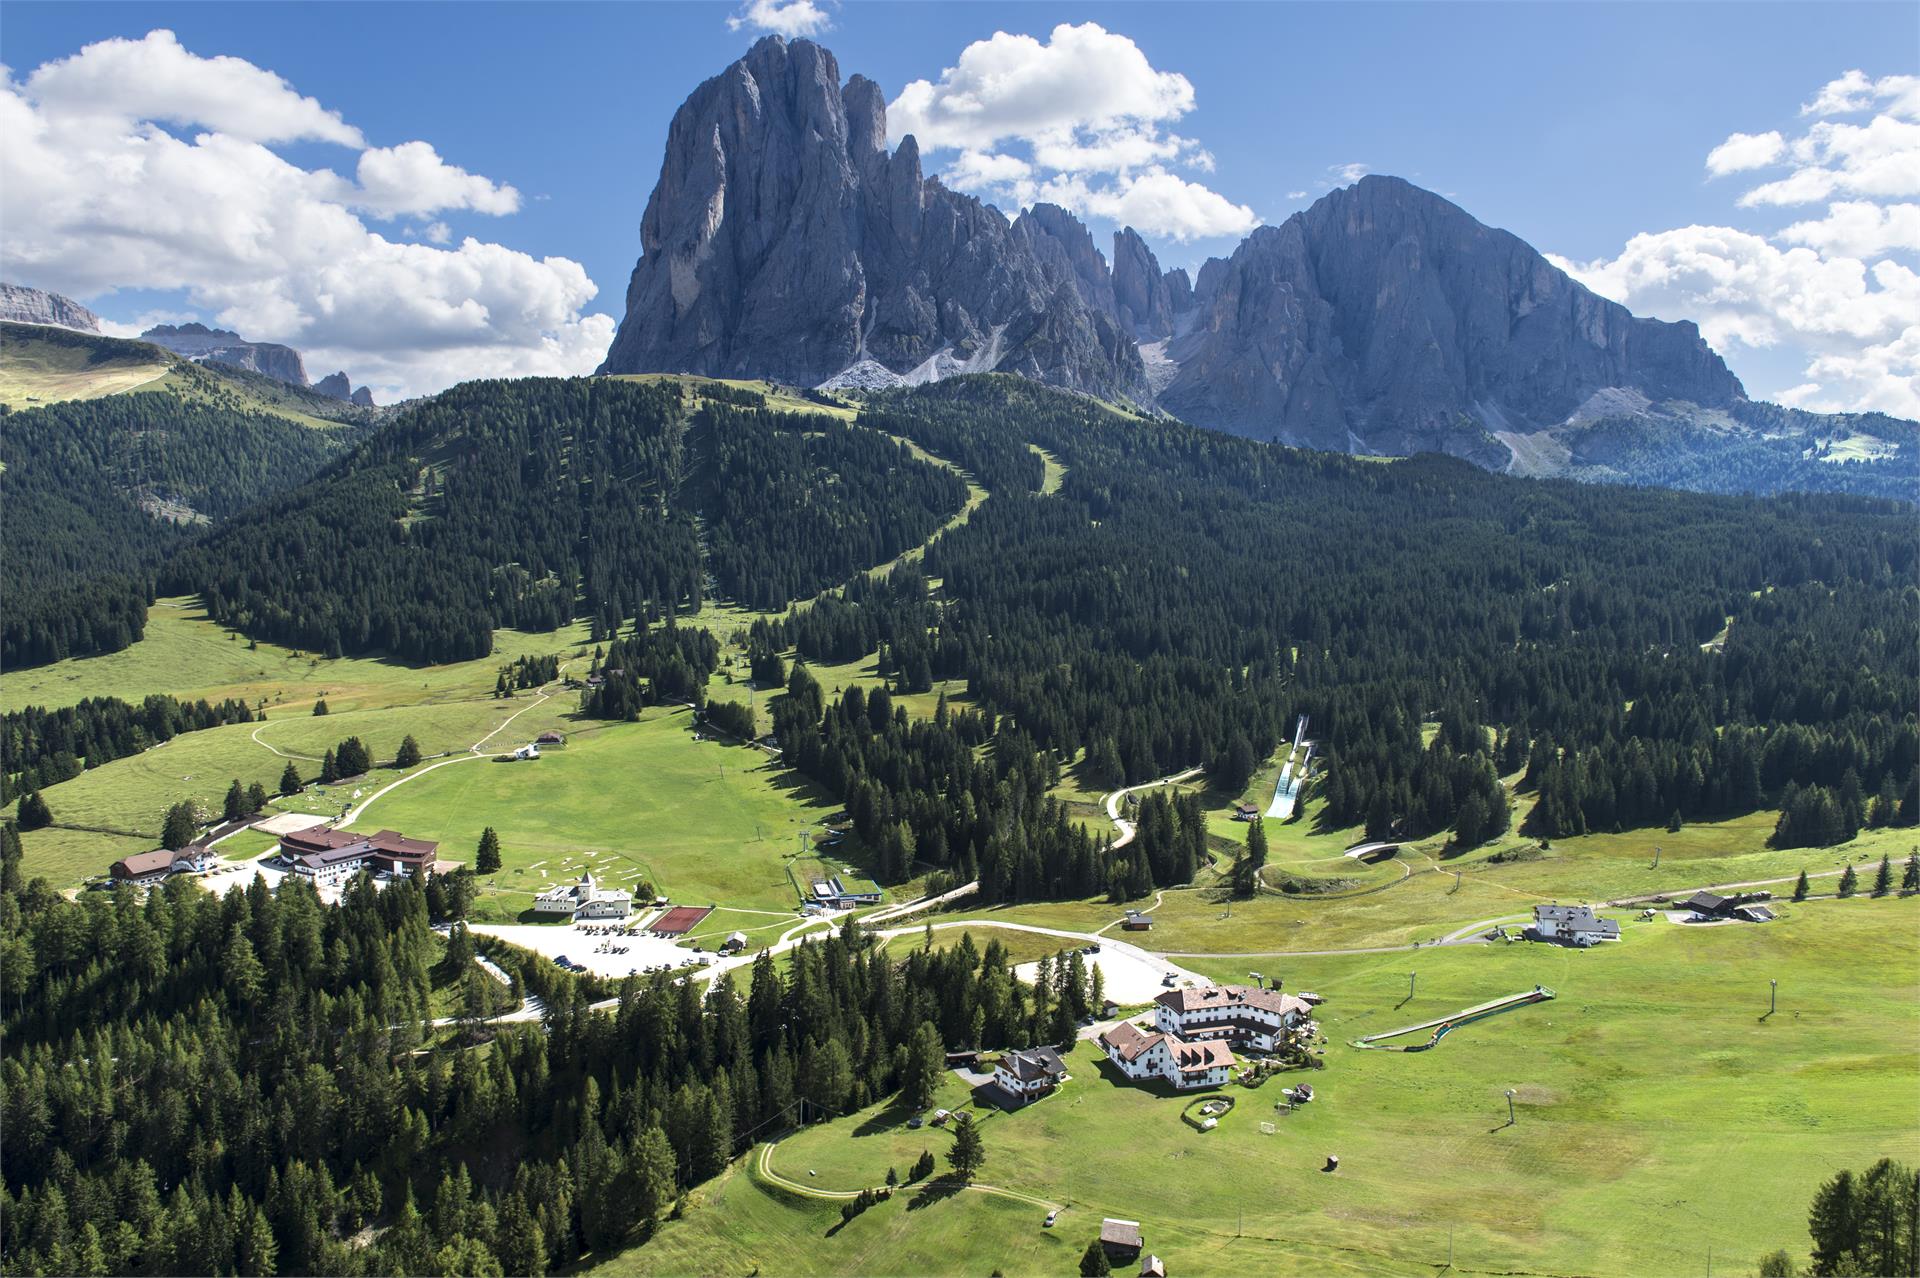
(177, 830)
(1883, 877)
(409, 753)
(290, 779)
(1093, 1261)
(34, 813)
(1800, 887)
(1910, 877)
(235, 807)
(320, 706)
(1849, 882)
(486, 859)
(968, 1155)
(256, 798)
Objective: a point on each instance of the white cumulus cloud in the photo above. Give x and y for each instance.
(97, 194)
(781, 17)
(1835, 291)
(1079, 119)
(1743, 151)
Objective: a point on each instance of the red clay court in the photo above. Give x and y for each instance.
(680, 920)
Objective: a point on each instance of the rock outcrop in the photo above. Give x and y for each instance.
(784, 240)
(335, 386)
(1385, 319)
(25, 305)
(222, 346)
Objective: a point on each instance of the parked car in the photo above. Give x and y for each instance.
(1052, 1216)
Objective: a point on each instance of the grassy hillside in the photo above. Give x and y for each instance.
(40, 364)
(1639, 1092)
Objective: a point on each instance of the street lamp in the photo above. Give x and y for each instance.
(1510, 1095)
(1773, 995)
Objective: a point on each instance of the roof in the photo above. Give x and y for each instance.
(1755, 913)
(319, 838)
(1120, 1233)
(141, 864)
(1705, 902)
(1199, 1057)
(1152, 1267)
(1033, 1063)
(1129, 1041)
(1231, 998)
(1564, 913)
(393, 843)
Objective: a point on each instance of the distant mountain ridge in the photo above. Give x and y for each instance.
(22, 305)
(784, 241)
(223, 346)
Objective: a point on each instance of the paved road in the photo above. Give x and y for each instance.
(1125, 826)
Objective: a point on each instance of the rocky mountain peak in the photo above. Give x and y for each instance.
(783, 240)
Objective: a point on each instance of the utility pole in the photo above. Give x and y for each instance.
(1449, 1249)
(1510, 1117)
(1411, 977)
(1773, 995)
(1656, 856)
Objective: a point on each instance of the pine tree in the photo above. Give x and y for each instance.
(1800, 887)
(1093, 1261)
(329, 769)
(256, 798)
(409, 753)
(1910, 877)
(1883, 878)
(486, 859)
(320, 706)
(1849, 882)
(290, 779)
(968, 1155)
(34, 813)
(926, 1058)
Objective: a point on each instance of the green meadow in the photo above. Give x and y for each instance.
(704, 821)
(1659, 1113)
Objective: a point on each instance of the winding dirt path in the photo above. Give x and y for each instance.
(1112, 802)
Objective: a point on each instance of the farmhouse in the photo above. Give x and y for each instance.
(585, 899)
(329, 857)
(1245, 811)
(1029, 1074)
(1142, 1055)
(1743, 906)
(1137, 922)
(151, 867)
(1573, 925)
(1120, 1239)
(1256, 1019)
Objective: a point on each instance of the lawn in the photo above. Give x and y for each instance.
(706, 823)
(1658, 1115)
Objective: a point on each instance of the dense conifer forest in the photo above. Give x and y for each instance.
(526, 503)
(243, 1084)
(1643, 654)
(98, 491)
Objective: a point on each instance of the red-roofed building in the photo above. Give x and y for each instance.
(1252, 1017)
(1141, 1054)
(330, 857)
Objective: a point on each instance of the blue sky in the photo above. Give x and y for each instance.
(1577, 126)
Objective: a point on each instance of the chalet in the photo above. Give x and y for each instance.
(1707, 905)
(329, 857)
(1256, 1019)
(1573, 925)
(1245, 811)
(1139, 1054)
(151, 867)
(1120, 1239)
(1137, 922)
(1029, 1074)
(584, 900)
(834, 894)
(734, 943)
